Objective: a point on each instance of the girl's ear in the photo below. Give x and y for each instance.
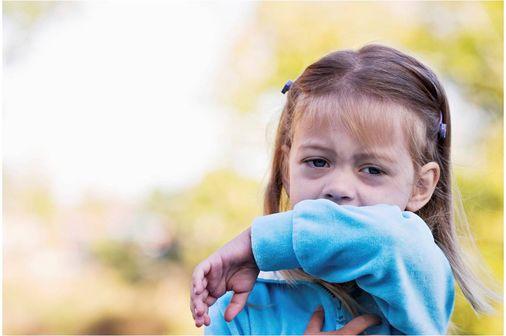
(285, 173)
(424, 186)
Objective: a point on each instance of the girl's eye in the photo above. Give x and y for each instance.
(373, 170)
(317, 163)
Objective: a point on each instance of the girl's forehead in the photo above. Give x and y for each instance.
(368, 122)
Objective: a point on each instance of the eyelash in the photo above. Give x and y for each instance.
(312, 160)
(380, 172)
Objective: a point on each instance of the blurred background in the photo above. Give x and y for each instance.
(137, 139)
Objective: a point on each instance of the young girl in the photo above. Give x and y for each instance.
(361, 175)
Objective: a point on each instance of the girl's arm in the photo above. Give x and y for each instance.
(390, 253)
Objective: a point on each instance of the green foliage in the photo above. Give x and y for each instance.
(482, 194)
(122, 257)
(208, 215)
(466, 56)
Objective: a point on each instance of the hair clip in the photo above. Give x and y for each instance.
(286, 87)
(442, 127)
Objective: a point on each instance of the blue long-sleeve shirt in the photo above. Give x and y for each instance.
(401, 274)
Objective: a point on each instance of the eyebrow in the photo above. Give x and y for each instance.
(378, 156)
(359, 156)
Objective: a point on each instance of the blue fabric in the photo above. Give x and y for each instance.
(402, 275)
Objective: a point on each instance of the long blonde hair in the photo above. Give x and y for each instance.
(381, 75)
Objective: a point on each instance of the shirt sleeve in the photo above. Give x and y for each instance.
(391, 254)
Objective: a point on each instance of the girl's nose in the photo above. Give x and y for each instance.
(339, 198)
(339, 189)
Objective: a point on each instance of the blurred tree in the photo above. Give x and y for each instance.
(211, 213)
(482, 194)
(122, 257)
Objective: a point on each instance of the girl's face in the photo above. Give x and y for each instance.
(326, 162)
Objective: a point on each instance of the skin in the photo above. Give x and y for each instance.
(323, 162)
(326, 162)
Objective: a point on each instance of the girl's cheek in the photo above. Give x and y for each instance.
(371, 181)
(373, 196)
(308, 173)
(302, 189)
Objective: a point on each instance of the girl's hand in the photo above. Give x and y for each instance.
(232, 267)
(354, 327)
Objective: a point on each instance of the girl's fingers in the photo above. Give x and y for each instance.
(199, 322)
(198, 275)
(198, 286)
(207, 320)
(358, 325)
(210, 300)
(192, 309)
(200, 305)
(199, 308)
(199, 294)
(199, 302)
(316, 322)
(236, 305)
(201, 319)
(204, 283)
